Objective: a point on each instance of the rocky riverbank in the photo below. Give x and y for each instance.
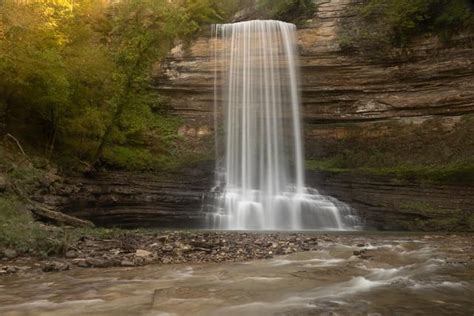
(117, 248)
(138, 248)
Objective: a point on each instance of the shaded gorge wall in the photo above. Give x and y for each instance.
(374, 127)
(392, 137)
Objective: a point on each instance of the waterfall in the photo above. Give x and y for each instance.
(260, 181)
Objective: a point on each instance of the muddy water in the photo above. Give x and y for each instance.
(395, 275)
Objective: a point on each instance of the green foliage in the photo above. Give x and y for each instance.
(123, 157)
(450, 173)
(75, 75)
(334, 165)
(384, 24)
(98, 232)
(428, 152)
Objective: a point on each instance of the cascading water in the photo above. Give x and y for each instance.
(260, 181)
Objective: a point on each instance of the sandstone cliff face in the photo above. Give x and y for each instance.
(407, 108)
(134, 199)
(389, 204)
(419, 109)
(341, 92)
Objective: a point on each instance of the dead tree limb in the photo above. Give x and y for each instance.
(58, 217)
(48, 214)
(17, 143)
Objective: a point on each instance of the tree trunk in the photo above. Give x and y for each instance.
(108, 131)
(116, 117)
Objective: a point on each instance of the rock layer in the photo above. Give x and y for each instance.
(346, 97)
(349, 98)
(133, 199)
(340, 91)
(392, 204)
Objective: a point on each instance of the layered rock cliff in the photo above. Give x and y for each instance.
(135, 199)
(382, 112)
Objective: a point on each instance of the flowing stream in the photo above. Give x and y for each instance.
(398, 274)
(260, 184)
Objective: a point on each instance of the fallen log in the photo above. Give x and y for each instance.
(58, 217)
(48, 214)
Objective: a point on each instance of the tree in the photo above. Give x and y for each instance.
(74, 75)
(141, 33)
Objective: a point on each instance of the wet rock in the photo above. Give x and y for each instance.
(55, 266)
(127, 263)
(362, 254)
(97, 263)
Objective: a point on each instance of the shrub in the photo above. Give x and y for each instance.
(386, 24)
(19, 231)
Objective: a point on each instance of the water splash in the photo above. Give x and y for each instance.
(260, 181)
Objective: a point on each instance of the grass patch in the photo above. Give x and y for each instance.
(96, 232)
(458, 173)
(328, 165)
(18, 230)
(451, 173)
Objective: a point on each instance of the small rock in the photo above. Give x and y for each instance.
(10, 253)
(12, 269)
(142, 253)
(81, 262)
(96, 262)
(139, 261)
(71, 254)
(3, 271)
(127, 263)
(55, 266)
(360, 245)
